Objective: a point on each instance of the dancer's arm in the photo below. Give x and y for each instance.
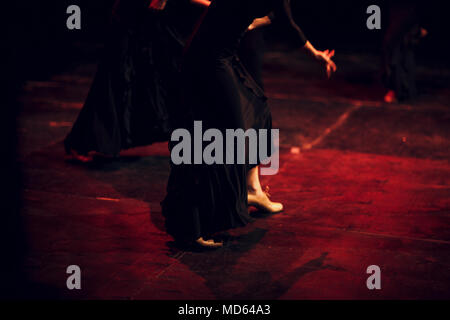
(202, 3)
(283, 12)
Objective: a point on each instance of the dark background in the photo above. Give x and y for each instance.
(42, 42)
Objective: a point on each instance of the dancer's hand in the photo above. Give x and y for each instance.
(259, 22)
(325, 57)
(322, 56)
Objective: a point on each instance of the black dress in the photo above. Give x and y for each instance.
(130, 100)
(401, 37)
(218, 90)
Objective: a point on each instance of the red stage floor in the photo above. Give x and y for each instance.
(370, 186)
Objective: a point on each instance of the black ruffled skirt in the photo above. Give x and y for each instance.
(129, 102)
(204, 199)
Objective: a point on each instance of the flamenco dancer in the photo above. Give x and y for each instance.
(202, 200)
(130, 100)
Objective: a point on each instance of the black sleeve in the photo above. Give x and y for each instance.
(282, 14)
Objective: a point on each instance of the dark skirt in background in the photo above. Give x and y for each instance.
(128, 104)
(401, 38)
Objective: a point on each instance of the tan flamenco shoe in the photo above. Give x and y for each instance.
(262, 202)
(208, 244)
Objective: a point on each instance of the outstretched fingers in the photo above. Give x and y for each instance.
(330, 54)
(331, 66)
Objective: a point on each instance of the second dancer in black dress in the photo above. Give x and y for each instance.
(132, 95)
